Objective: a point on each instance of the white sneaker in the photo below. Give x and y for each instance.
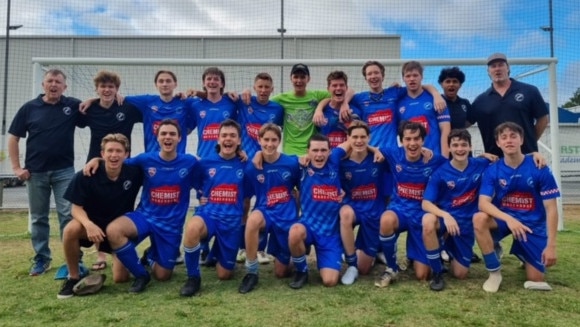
(492, 283)
(350, 275)
(537, 286)
(241, 257)
(386, 278)
(263, 258)
(445, 256)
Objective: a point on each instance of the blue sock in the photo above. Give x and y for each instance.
(127, 254)
(389, 245)
(300, 263)
(434, 258)
(252, 266)
(263, 242)
(491, 262)
(191, 257)
(351, 260)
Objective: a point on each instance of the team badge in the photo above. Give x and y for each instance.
(502, 182)
(451, 185)
(310, 171)
(202, 114)
(226, 114)
(519, 97)
(348, 175)
(260, 178)
(183, 172)
(286, 175)
(398, 168)
(402, 110)
(427, 106)
(211, 172)
(374, 172)
(155, 108)
(127, 185)
(530, 182)
(475, 177)
(427, 172)
(250, 110)
(152, 171)
(67, 111)
(464, 108)
(366, 103)
(179, 110)
(240, 173)
(120, 116)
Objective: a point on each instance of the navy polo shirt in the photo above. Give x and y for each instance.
(49, 132)
(103, 121)
(458, 111)
(104, 199)
(522, 104)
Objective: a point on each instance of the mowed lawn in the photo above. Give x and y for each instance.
(31, 301)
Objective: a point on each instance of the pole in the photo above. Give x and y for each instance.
(281, 30)
(7, 50)
(551, 30)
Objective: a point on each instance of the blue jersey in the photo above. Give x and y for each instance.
(456, 191)
(421, 110)
(378, 111)
(361, 183)
(223, 186)
(334, 129)
(209, 116)
(165, 194)
(320, 195)
(154, 110)
(251, 117)
(520, 192)
(410, 180)
(273, 187)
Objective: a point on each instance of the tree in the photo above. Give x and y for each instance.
(574, 100)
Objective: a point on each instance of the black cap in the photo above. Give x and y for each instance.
(300, 68)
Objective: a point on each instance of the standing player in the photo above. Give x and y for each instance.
(275, 209)
(404, 212)
(49, 123)
(417, 106)
(96, 201)
(222, 180)
(517, 198)
(161, 211)
(360, 177)
(320, 197)
(450, 202)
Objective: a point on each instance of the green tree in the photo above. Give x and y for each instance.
(574, 100)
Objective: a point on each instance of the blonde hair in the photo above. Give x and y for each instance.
(116, 137)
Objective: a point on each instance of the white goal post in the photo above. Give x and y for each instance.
(40, 64)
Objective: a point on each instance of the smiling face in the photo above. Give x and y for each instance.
(168, 138)
(213, 84)
(412, 143)
(459, 149)
(114, 153)
(107, 92)
(229, 141)
(337, 89)
(299, 82)
(509, 141)
(359, 140)
(269, 142)
(165, 84)
(374, 78)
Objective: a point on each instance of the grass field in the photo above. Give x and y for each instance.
(31, 301)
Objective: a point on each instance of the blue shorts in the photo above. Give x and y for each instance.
(328, 249)
(226, 243)
(415, 247)
(278, 241)
(164, 248)
(529, 251)
(367, 238)
(459, 247)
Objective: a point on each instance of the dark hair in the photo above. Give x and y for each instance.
(172, 122)
(337, 74)
(263, 76)
(509, 126)
(230, 123)
(105, 76)
(373, 63)
(411, 126)
(356, 124)
(459, 133)
(318, 137)
(165, 72)
(451, 72)
(412, 65)
(214, 71)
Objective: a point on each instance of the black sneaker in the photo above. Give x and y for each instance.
(191, 286)
(300, 278)
(66, 291)
(437, 283)
(139, 284)
(248, 283)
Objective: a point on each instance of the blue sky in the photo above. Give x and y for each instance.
(428, 29)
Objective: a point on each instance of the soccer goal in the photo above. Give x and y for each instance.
(137, 78)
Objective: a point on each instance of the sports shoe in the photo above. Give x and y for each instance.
(66, 291)
(537, 286)
(404, 264)
(90, 284)
(300, 278)
(191, 286)
(437, 283)
(498, 249)
(40, 266)
(263, 258)
(350, 275)
(139, 284)
(492, 283)
(445, 256)
(248, 283)
(241, 257)
(386, 278)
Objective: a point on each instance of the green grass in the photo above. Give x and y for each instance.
(31, 301)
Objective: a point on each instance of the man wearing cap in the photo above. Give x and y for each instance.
(508, 100)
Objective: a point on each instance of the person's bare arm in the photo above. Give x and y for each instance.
(444, 129)
(549, 256)
(438, 101)
(518, 229)
(540, 126)
(318, 118)
(450, 222)
(14, 154)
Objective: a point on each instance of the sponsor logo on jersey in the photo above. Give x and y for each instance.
(224, 194)
(157, 123)
(151, 171)
(519, 201)
(463, 199)
(325, 193)
(364, 193)
(211, 172)
(277, 195)
(421, 120)
(253, 130)
(210, 132)
(412, 191)
(165, 195)
(336, 138)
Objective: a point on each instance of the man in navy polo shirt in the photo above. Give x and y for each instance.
(49, 123)
(508, 100)
(96, 201)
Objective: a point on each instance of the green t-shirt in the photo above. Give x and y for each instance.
(298, 113)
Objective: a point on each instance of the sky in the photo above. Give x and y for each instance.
(428, 29)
